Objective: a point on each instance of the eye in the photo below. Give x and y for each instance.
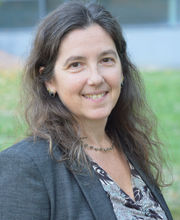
(75, 65)
(107, 61)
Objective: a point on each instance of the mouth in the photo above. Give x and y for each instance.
(95, 96)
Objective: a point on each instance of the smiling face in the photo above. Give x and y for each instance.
(87, 73)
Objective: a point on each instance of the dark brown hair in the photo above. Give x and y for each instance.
(131, 124)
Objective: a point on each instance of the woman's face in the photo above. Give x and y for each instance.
(88, 73)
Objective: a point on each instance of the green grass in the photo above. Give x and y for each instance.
(163, 91)
(11, 125)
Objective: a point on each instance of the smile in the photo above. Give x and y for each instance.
(95, 96)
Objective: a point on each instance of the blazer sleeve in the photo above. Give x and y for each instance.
(23, 195)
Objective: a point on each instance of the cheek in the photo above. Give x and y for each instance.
(70, 86)
(116, 79)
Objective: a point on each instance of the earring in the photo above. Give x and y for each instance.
(51, 93)
(122, 84)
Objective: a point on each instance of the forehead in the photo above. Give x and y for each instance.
(93, 36)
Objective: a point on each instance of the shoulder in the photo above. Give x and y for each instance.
(29, 159)
(29, 148)
(22, 185)
(23, 154)
(28, 154)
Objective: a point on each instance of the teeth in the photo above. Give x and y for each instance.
(95, 96)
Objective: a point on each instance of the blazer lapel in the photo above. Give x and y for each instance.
(155, 190)
(96, 196)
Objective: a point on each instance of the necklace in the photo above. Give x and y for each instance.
(98, 148)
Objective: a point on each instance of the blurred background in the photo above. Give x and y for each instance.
(152, 31)
(151, 27)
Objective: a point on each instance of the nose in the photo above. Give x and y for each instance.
(95, 78)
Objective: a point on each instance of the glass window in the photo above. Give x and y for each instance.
(138, 11)
(52, 4)
(18, 14)
(178, 10)
(26, 13)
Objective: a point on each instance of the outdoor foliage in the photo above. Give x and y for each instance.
(163, 91)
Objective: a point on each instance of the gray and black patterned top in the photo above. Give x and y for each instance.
(143, 207)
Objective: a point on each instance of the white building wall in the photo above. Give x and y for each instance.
(153, 47)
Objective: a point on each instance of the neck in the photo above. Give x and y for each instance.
(94, 132)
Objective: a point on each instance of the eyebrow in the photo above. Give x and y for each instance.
(107, 52)
(104, 53)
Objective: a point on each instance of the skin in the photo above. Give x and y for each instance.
(87, 79)
(87, 65)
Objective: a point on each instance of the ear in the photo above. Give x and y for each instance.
(41, 69)
(50, 85)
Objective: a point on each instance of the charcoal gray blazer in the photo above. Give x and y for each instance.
(33, 186)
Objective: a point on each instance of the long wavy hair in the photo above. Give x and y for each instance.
(131, 124)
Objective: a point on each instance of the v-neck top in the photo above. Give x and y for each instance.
(143, 207)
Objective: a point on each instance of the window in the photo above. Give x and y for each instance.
(139, 11)
(17, 14)
(27, 13)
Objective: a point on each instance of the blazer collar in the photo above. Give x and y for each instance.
(97, 198)
(95, 195)
(154, 189)
(92, 190)
(98, 201)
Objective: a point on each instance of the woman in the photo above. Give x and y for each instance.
(92, 153)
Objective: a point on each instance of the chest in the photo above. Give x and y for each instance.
(118, 169)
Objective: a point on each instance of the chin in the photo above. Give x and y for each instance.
(98, 116)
